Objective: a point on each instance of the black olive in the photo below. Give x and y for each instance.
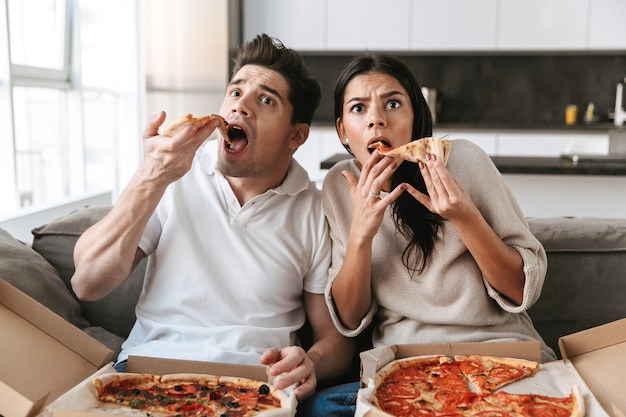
(264, 389)
(135, 391)
(178, 388)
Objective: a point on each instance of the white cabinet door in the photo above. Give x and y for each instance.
(355, 25)
(486, 140)
(607, 25)
(453, 25)
(542, 25)
(552, 144)
(299, 24)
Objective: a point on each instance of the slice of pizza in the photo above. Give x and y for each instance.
(188, 120)
(418, 385)
(416, 150)
(532, 404)
(489, 373)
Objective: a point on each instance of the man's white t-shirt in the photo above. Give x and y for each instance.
(224, 282)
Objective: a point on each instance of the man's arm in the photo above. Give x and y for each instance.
(329, 357)
(106, 253)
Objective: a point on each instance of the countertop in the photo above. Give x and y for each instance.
(557, 127)
(583, 165)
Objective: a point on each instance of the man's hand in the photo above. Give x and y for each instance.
(291, 366)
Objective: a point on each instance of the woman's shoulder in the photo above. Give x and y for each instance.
(466, 151)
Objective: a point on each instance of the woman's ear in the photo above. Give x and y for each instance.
(341, 131)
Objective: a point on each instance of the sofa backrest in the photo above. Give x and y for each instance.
(585, 283)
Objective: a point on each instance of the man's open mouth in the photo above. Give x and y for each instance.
(237, 139)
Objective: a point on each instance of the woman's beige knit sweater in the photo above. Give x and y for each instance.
(449, 301)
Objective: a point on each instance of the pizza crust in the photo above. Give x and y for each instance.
(417, 150)
(188, 120)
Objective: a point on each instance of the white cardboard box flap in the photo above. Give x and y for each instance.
(599, 356)
(44, 355)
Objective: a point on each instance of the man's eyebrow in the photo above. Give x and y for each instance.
(265, 87)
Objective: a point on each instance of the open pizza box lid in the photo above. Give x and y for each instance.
(599, 356)
(80, 401)
(555, 378)
(43, 355)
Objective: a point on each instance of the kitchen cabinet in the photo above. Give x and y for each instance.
(542, 25)
(488, 141)
(368, 24)
(443, 25)
(607, 25)
(552, 144)
(453, 25)
(299, 24)
(322, 143)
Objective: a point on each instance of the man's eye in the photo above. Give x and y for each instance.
(235, 93)
(267, 100)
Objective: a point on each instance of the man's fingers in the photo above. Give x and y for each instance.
(154, 122)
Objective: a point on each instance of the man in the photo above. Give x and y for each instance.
(237, 243)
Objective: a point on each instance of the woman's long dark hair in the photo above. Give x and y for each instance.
(418, 224)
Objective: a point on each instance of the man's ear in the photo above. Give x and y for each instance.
(299, 136)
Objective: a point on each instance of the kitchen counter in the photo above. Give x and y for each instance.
(556, 127)
(570, 165)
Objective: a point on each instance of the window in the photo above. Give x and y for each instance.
(70, 97)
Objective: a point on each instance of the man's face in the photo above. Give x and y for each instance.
(258, 112)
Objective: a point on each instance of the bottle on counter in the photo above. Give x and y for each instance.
(590, 113)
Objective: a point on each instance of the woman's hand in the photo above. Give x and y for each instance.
(445, 196)
(368, 204)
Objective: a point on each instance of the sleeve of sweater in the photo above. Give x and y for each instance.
(338, 212)
(475, 171)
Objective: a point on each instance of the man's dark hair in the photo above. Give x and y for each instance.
(304, 90)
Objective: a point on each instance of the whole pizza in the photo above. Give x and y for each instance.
(189, 395)
(464, 386)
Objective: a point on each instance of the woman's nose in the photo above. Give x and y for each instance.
(376, 121)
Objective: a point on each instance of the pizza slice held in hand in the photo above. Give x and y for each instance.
(188, 120)
(416, 150)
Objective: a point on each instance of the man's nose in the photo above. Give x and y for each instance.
(240, 106)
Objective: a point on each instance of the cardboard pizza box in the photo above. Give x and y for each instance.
(599, 356)
(79, 401)
(43, 355)
(374, 359)
(556, 380)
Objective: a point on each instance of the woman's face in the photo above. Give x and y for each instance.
(376, 107)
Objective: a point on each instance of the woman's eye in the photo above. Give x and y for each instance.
(393, 104)
(357, 108)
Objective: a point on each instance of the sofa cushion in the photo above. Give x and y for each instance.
(55, 242)
(28, 271)
(586, 272)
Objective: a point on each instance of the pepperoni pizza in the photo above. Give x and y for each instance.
(439, 386)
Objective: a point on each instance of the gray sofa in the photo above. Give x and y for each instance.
(585, 284)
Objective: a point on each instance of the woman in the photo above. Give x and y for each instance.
(428, 253)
